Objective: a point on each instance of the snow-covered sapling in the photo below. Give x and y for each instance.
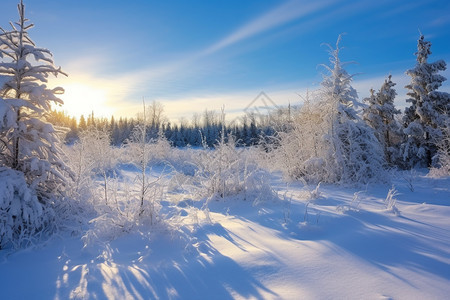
(149, 190)
(28, 143)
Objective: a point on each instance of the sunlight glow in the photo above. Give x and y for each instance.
(83, 99)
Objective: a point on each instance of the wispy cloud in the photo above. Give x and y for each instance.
(283, 14)
(289, 11)
(403, 8)
(440, 21)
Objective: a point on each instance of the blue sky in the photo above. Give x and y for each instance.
(192, 55)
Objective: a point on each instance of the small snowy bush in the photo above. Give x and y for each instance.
(156, 150)
(390, 201)
(443, 155)
(354, 204)
(92, 158)
(115, 200)
(125, 212)
(182, 160)
(132, 201)
(228, 171)
(22, 216)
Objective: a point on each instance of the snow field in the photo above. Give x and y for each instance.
(270, 250)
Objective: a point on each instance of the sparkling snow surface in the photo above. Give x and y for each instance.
(339, 246)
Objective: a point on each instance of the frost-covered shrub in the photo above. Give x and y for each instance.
(92, 158)
(443, 155)
(98, 152)
(354, 204)
(160, 149)
(182, 160)
(227, 171)
(131, 198)
(300, 154)
(132, 201)
(390, 201)
(22, 216)
(141, 156)
(126, 212)
(156, 150)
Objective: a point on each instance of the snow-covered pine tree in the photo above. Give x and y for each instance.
(329, 141)
(353, 153)
(29, 144)
(380, 116)
(429, 111)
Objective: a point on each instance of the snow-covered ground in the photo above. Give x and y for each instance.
(339, 243)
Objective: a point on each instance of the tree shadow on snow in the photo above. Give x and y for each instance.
(388, 243)
(288, 220)
(180, 267)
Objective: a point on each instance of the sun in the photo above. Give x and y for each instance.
(82, 98)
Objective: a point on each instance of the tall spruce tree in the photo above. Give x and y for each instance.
(428, 113)
(380, 115)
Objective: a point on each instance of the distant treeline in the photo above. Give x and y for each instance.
(202, 130)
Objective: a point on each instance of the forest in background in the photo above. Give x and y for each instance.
(205, 127)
